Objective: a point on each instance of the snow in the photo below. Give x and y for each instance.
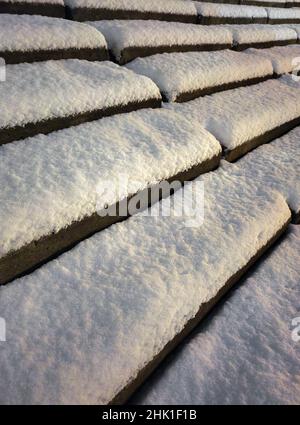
(230, 10)
(258, 33)
(123, 34)
(64, 169)
(277, 166)
(80, 328)
(284, 58)
(283, 13)
(291, 80)
(26, 33)
(52, 89)
(295, 27)
(237, 116)
(178, 73)
(245, 353)
(167, 6)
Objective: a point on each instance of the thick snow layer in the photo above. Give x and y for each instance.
(258, 33)
(39, 2)
(230, 10)
(52, 89)
(245, 354)
(291, 80)
(122, 34)
(295, 27)
(277, 166)
(283, 13)
(178, 73)
(26, 33)
(237, 116)
(64, 170)
(80, 328)
(166, 6)
(284, 59)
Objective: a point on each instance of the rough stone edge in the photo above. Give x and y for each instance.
(13, 134)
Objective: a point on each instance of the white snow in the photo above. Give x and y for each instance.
(52, 89)
(277, 166)
(64, 170)
(81, 327)
(26, 33)
(284, 58)
(283, 13)
(295, 27)
(237, 116)
(230, 10)
(291, 80)
(259, 33)
(245, 354)
(123, 34)
(177, 73)
(166, 6)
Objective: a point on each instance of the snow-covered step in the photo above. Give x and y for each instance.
(285, 59)
(283, 15)
(47, 96)
(185, 76)
(295, 27)
(244, 118)
(262, 36)
(96, 321)
(214, 14)
(277, 166)
(247, 353)
(55, 8)
(128, 40)
(50, 200)
(166, 10)
(25, 38)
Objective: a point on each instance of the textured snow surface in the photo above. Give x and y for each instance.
(165, 6)
(283, 58)
(64, 170)
(277, 165)
(291, 81)
(26, 33)
(81, 327)
(283, 13)
(52, 89)
(245, 353)
(177, 73)
(295, 27)
(258, 33)
(237, 116)
(230, 10)
(40, 2)
(122, 34)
